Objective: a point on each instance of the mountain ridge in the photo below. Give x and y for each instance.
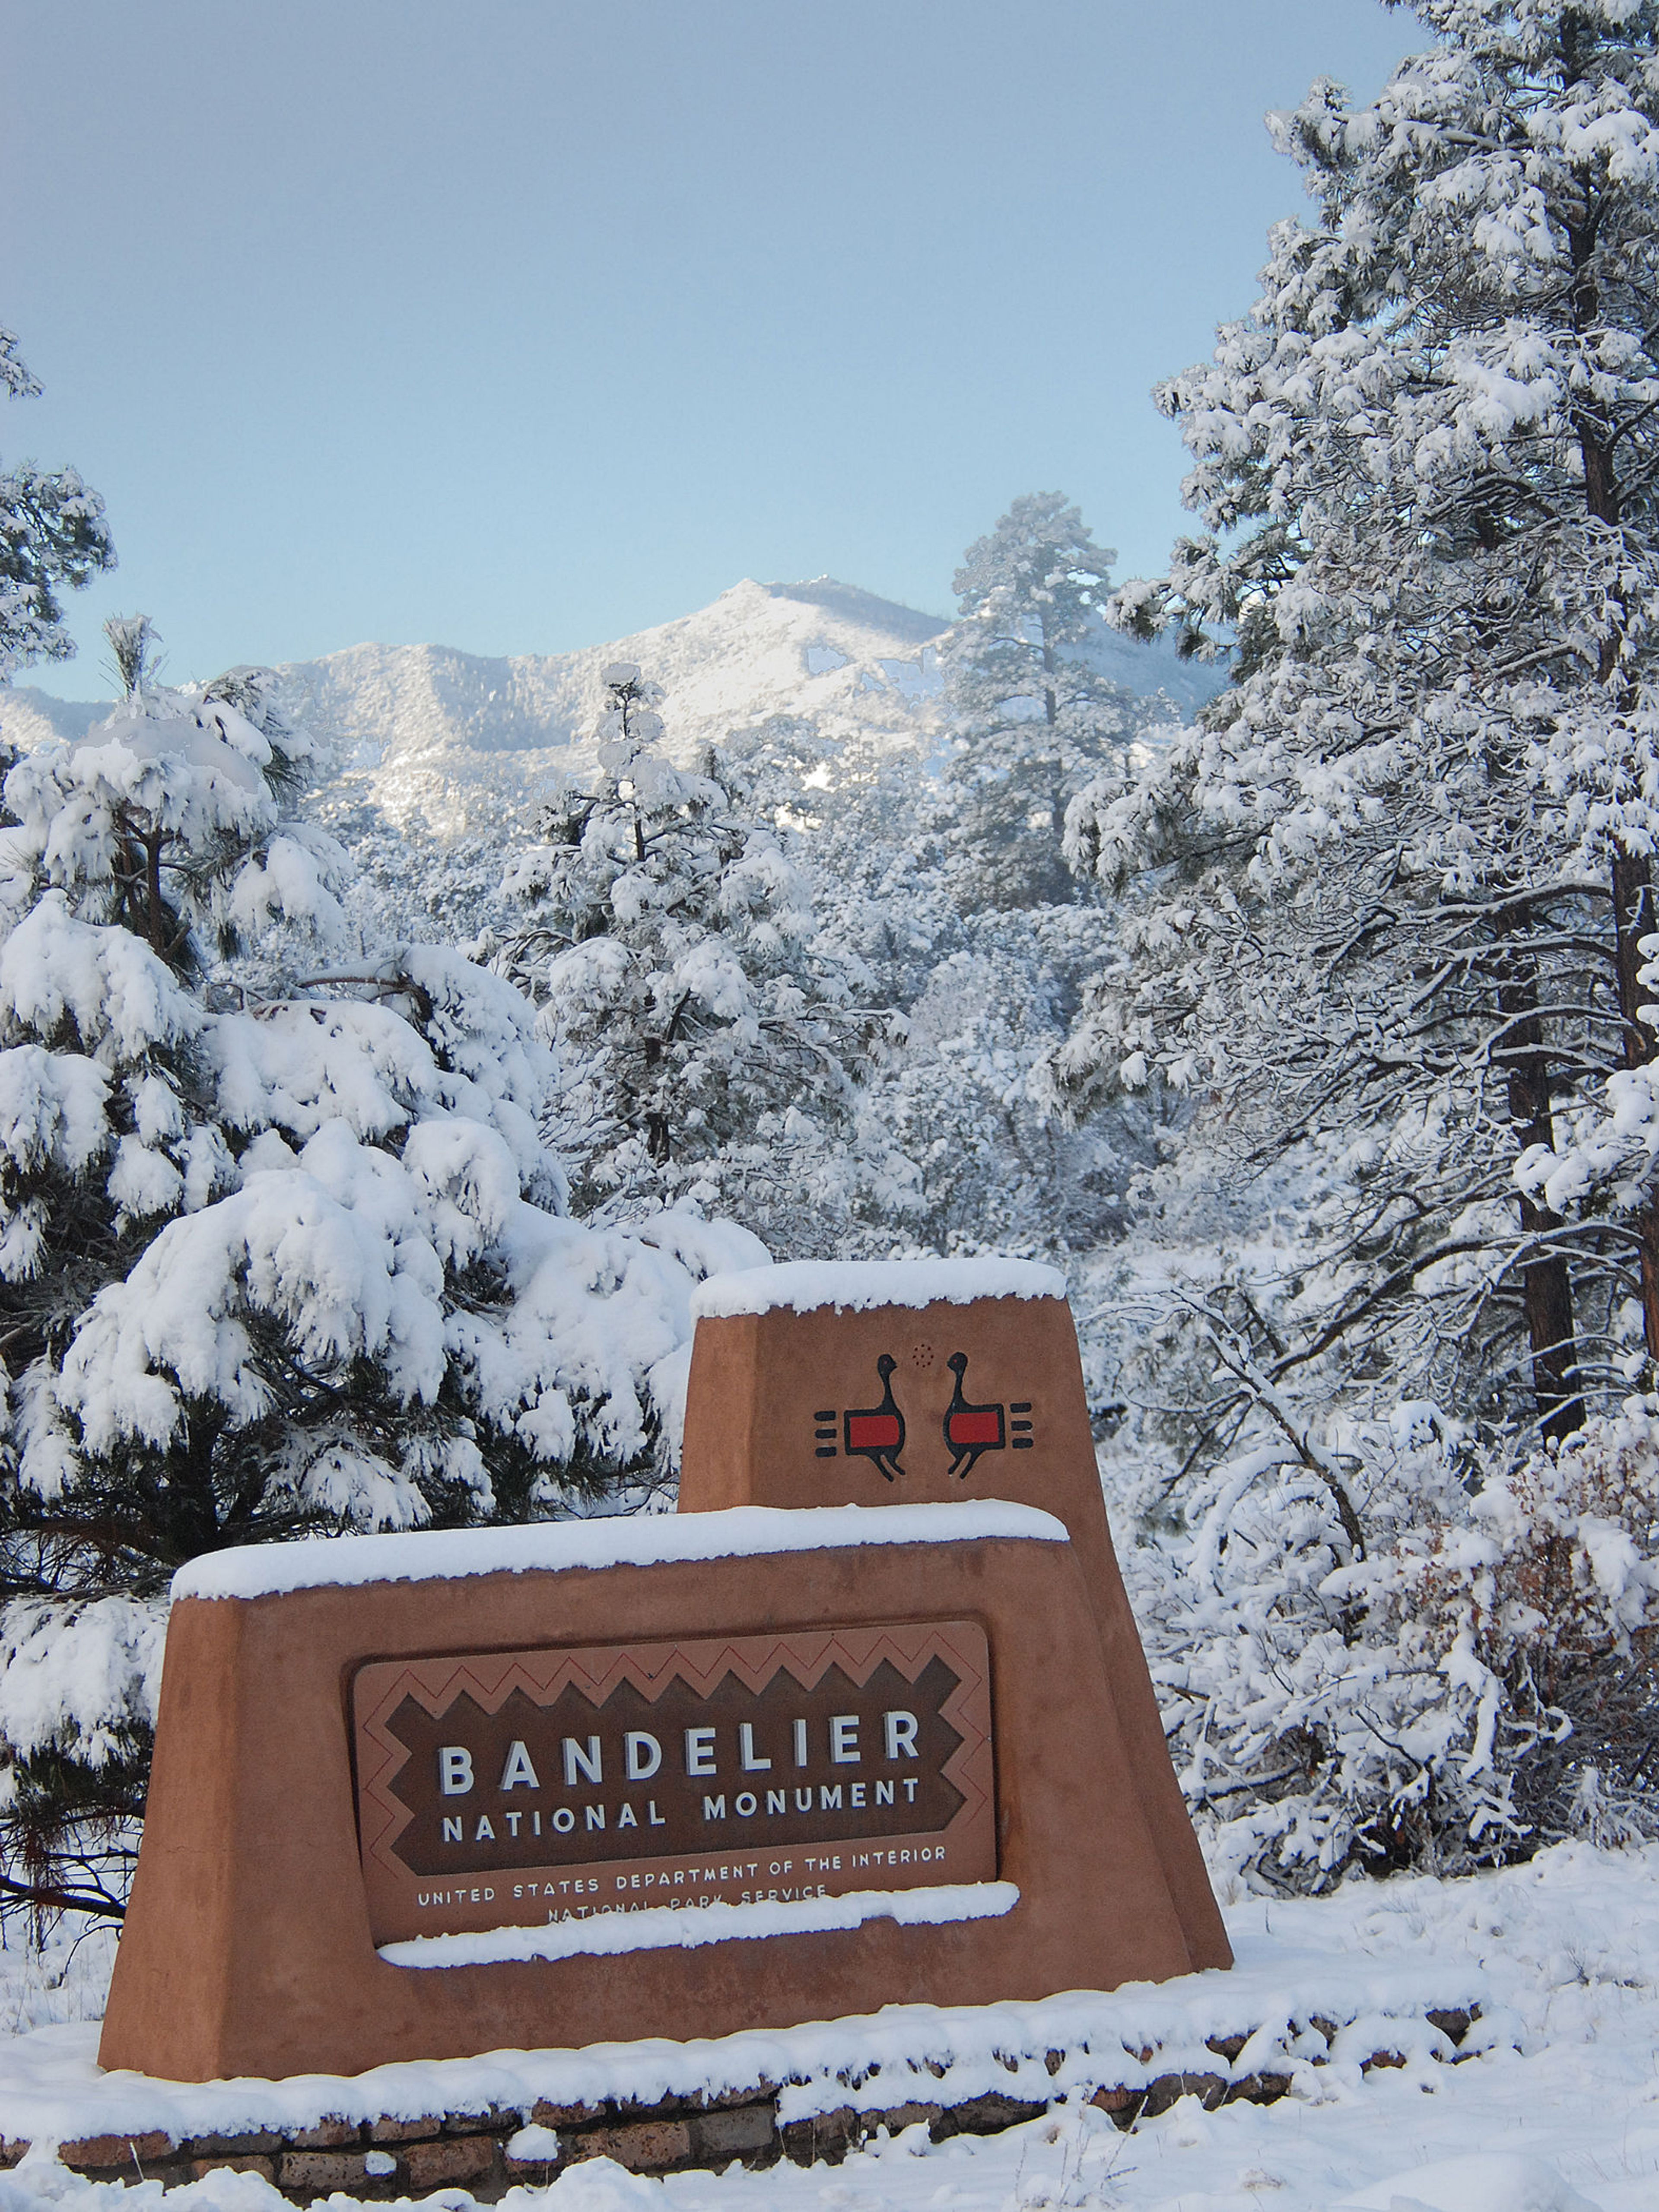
(430, 731)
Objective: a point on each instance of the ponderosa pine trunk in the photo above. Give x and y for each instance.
(1633, 920)
(1546, 1282)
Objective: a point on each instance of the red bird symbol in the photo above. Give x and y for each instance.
(877, 1432)
(971, 1429)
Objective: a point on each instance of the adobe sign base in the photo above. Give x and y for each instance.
(249, 1949)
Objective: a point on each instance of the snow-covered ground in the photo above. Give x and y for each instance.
(1562, 2114)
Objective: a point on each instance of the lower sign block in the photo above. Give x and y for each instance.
(527, 1787)
(349, 1727)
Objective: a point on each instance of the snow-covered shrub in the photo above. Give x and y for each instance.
(284, 1247)
(410, 881)
(1474, 1676)
(956, 1149)
(956, 1095)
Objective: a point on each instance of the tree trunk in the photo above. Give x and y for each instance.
(1546, 1286)
(1633, 920)
(1050, 703)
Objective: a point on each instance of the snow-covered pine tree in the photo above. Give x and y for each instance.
(1034, 717)
(710, 1037)
(282, 1248)
(959, 1153)
(51, 532)
(1389, 894)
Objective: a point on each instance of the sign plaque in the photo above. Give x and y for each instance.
(517, 1788)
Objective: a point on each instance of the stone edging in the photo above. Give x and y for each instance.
(392, 2157)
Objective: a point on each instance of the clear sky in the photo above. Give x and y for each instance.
(518, 325)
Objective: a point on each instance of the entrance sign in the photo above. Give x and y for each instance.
(512, 1788)
(777, 1702)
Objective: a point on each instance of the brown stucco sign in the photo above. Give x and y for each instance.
(866, 1721)
(528, 1787)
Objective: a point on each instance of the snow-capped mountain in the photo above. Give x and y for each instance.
(418, 722)
(427, 730)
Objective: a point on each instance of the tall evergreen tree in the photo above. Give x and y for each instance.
(1035, 716)
(1399, 877)
(709, 1038)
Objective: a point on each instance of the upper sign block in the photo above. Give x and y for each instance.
(892, 1381)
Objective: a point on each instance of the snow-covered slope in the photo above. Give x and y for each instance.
(30, 717)
(426, 730)
(856, 663)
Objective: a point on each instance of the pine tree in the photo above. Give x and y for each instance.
(283, 1250)
(1035, 718)
(1398, 879)
(51, 532)
(709, 1038)
(956, 1150)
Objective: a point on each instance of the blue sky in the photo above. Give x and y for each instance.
(523, 323)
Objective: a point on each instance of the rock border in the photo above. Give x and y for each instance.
(389, 2157)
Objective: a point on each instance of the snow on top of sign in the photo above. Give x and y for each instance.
(446, 1555)
(858, 1285)
(669, 1926)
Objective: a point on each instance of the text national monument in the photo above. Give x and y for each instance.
(866, 1721)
